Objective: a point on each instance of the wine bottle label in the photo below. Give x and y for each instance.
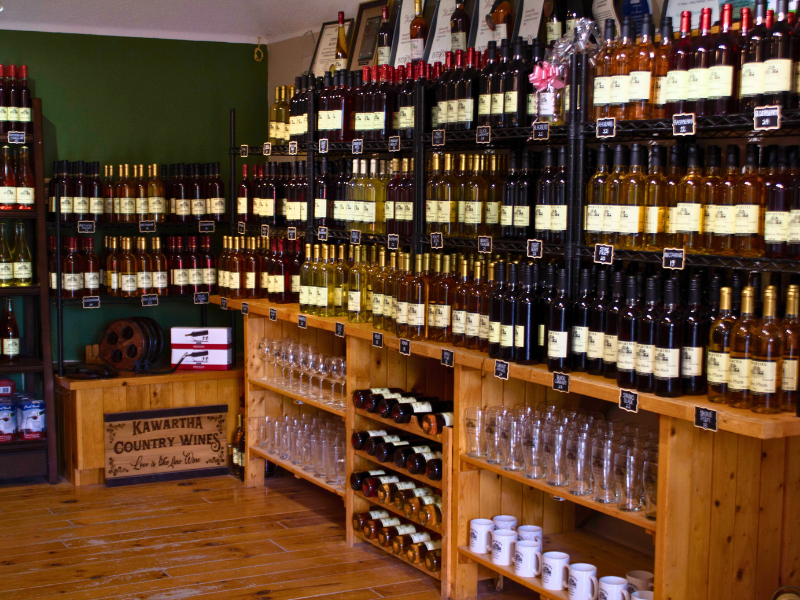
(223, 279)
(66, 201)
(117, 206)
(448, 418)
(377, 304)
(13, 113)
(401, 315)
(359, 121)
(494, 332)
(428, 500)
(558, 217)
(198, 206)
(79, 204)
(739, 374)
(431, 211)
(452, 111)
(354, 301)
(724, 218)
(690, 218)
(430, 455)
(389, 479)
(542, 217)
(789, 375)
(442, 316)
(533, 104)
(672, 219)
(322, 294)
(720, 81)
(72, 282)
(417, 49)
(433, 545)
(160, 280)
(91, 280)
(472, 212)
(718, 366)
(485, 327)
(397, 443)
(506, 216)
(447, 211)
(507, 336)
(469, 323)
(209, 276)
(112, 280)
(7, 271)
(497, 104)
(144, 280)
(794, 227)
(541, 335)
(776, 227)
(709, 224)
(378, 120)
(53, 281)
(645, 359)
(335, 119)
(594, 218)
(20, 195)
(580, 340)
(522, 216)
(234, 280)
(602, 92)
(691, 362)
(697, 87)
(660, 91)
(519, 336)
(510, 102)
(367, 212)
(241, 205)
(416, 315)
(654, 219)
(405, 211)
(763, 377)
(249, 281)
(557, 342)
(405, 529)
(485, 104)
(378, 514)
(610, 218)
(553, 31)
(25, 114)
(268, 208)
(387, 306)
(157, 205)
(668, 363)
(747, 219)
(196, 277)
(96, 205)
(752, 79)
(406, 119)
(610, 348)
(777, 75)
(639, 86)
(618, 89)
(3, 113)
(181, 277)
(419, 537)
(127, 282)
(391, 522)
(23, 270)
(424, 491)
(630, 219)
(677, 85)
(466, 110)
(141, 206)
(596, 345)
(183, 207)
(11, 347)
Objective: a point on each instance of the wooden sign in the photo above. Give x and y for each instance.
(165, 445)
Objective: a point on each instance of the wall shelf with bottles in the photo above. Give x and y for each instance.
(500, 136)
(133, 300)
(133, 228)
(498, 245)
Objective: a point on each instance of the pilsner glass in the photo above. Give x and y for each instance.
(476, 440)
(603, 451)
(534, 449)
(511, 448)
(579, 462)
(492, 425)
(628, 465)
(555, 450)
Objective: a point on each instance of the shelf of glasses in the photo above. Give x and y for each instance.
(609, 557)
(301, 398)
(133, 228)
(636, 518)
(498, 245)
(420, 567)
(500, 136)
(297, 471)
(404, 472)
(398, 511)
(412, 426)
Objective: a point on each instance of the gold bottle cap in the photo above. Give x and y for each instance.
(437, 263)
(155, 170)
(464, 268)
(341, 253)
(395, 165)
(393, 261)
(747, 300)
(491, 272)
(770, 300)
(382, 258)
(373, 254)
(462, 162)
(155, 243)
(325, 252)
(446, 264)
(725, 298)
(418, 263)
(426, 261)
(316, 252)
(792, 300)
(448, 162)
(478, 268)
(435, 161)
(141, 243)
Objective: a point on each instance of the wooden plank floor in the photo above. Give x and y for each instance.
(205, 539)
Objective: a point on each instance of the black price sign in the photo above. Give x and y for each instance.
(291, 233)
(394, 143)
(358, 147)
(447, 357)
(245, 308)
(405, 347)
(377, 339)
(149, 299)
(355, 236)
(292, 148)
(393, 241)
(147, 226)
(766, 118)
(501, 369)
(322, 234)
(86, 226)
(223, 303)
(16, 137)
(437, 241)
(201, 297)
(541, 131)
(535, 248)
(205, 227)
(483, 135)
(301, 322)
(265, 231)
(485, 244)
(91, 302)
(674, 258)
(705, 418)
(323, 146)
(267, 149)
(273, 314)
(339, 329)
(684, 124)
(561, 382)
(244, 151)
(629, 400)
(241, 227)
(604, 254)
(606, 128)
(437, 137)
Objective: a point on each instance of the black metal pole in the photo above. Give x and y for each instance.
(310, 158)
(231, 219)
(59, 300)
(419, 166)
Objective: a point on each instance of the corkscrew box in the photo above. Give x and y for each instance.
(202, 359)
(201, 338)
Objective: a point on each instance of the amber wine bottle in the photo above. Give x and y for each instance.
(738, 394)
(719, 349)
(765, 382)
(791, 350)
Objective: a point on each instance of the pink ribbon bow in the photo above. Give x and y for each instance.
(545, 75)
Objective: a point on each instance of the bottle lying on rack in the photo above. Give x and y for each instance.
(391, 402)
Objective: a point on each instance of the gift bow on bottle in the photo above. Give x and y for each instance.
(545, 75)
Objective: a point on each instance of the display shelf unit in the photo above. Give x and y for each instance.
(498, 245)
(299, 398)
(393, 509)
(296, 470)
(499, 137)
(410, 427)
(167, 227)
(420, 567)
(133, 300)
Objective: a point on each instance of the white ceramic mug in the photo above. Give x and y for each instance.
(530, 532)
(505, 522)
(639, 581)
(643, 596)
(582, 582)
(480, 535)
(613, 588)
(503, 546)
(527, 558)
(555, 570)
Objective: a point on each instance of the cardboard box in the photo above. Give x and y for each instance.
(202, 359)
(206, 338)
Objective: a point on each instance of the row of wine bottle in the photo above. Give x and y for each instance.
(16, 264)
(17, 181)
(16, 100)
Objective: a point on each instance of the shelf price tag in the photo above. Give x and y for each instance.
(292, 148)
(241, 227)
(323, 146)
(91, 302)
(394, 143)
(705, 418)
(322, 234)
(540, 131)
(245, 308)
(302, 323)
(205, 227)
(358, 147)
(485, 244)
(535, 248)
(201, 297)
(684, 124)
(267, 151)
(405, 347)
(291, 233)
(223, 303)
(766, 118)
(355, 237)
(604, 254)
(629, 401)
(86, 226)
(437, 137)
(16, 137)
(149, 299)
(338, 329)
(377, 339)
(674, 258)
(437, 241)
(147, 226)
(273, 314)
(501, 369)
(606, 128)
(244, 151)
(392, 241)
(265, 230)
(447, 357)
(561, 382)
(483, 135)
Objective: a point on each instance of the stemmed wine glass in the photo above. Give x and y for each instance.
(323, 369)
(301, 364)
(313, 358)
(338, 372)
(286, 361)
(264, 355)
(275, 350)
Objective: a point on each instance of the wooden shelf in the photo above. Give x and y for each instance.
(636, 518)
(146, 379)
(392, 508)
(298, 397)
(392, 467)
(23, 364)
(411, 427)
(23, 445)
(20, 290)
(399, 557)
(298, 471)
(609, 557)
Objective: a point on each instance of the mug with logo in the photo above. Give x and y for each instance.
(503, 546)
(582, 582)
(613, 588)
(639, 581)
(480, 535)
(555, 570)
(530, 532)
(527, 558)
(505, 522)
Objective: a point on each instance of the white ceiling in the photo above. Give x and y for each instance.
(235, 21)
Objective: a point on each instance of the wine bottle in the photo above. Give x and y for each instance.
(340, 53)
(371, 484)
(751, 199)
(418, 33)
(373, 526)
(359, 438)
(641, 87)
(613, 192)
(610, 339)
(632, 201)
(385, 34)
(620, 73)
(402, 412)
(755, 42)
(711, 191)
(21, 257)
(558, 327)
(791, 350)
(402, 453)
(416, 552)
(361, 519)
(669, 336)
(544, 195)
(695, 336)
(680, 62)
(485, 85)
(766, 372)
(778, 74)
(435, 423)
(719, 349)
(627, 337)
(357, 478)
(414, 506)
(700, 66)
(508, 318)
(646, 338)
(689, 215)
(527, 321)
(496, 309)
(387, 491)
(387, 534)
(604, 67)
(739, 395)
(402, 543)
(559, 211)
(778, 205)
(9, 333)
(595, 193)
(581, 321)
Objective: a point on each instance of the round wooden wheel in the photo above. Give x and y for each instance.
(124, 343)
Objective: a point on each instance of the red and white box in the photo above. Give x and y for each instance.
(202, 348)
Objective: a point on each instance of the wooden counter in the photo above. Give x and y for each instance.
(80, 405)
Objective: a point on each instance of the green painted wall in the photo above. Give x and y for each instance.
(138, 100)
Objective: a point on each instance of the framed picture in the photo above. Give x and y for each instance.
(366, 33)
(325, 51)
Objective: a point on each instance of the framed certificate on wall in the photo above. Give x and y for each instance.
(325, 51)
